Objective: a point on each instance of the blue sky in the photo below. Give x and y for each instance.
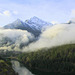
(49, 10)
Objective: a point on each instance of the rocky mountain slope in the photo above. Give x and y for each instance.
(33, 25)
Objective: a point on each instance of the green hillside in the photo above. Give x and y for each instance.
(6, 68)
(58, 59)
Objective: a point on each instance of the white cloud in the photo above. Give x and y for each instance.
(17, 38)
(54, 22)
(7, 13)
(57, 35)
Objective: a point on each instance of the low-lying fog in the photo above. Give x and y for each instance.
(13, 39)
(20, 69)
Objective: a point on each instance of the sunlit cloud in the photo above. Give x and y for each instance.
(54, 22)
(18, 38)
(56, 35)
(7, 13)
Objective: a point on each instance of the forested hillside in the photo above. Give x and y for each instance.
(58, 59)
(6, 68)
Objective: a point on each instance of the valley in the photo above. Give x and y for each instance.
(59, 60)
(51, 50)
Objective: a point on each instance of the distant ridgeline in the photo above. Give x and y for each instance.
(58, 59)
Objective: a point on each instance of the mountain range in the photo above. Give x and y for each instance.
(33, 25)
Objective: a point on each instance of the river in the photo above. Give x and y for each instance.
(21, 70)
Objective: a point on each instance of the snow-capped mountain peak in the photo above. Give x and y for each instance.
(18, 21)
(36, 20)
(33, 25)
(37, 23)
(15, 24)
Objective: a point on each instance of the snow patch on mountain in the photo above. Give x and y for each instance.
(34, 25)
(37, 23)
(15, 24)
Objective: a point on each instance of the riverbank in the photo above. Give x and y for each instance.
(6, 68)
(58, 60)
(19, 68)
